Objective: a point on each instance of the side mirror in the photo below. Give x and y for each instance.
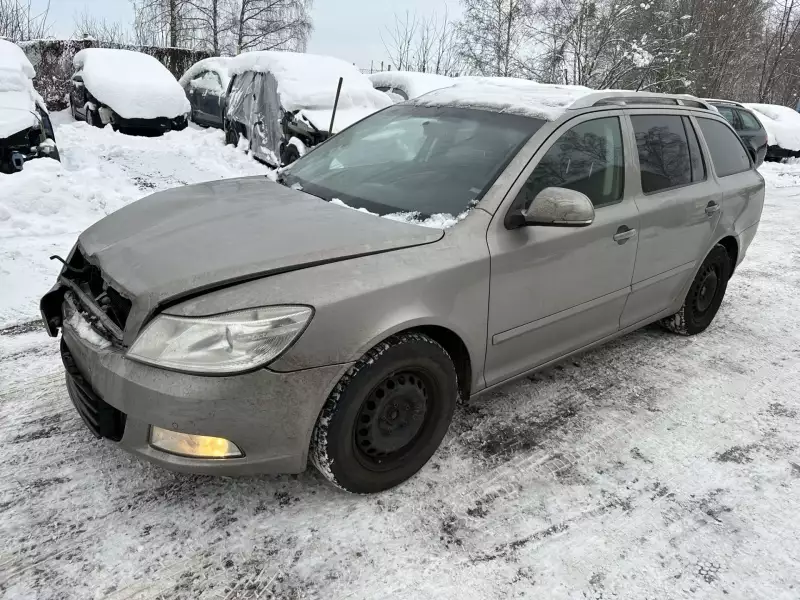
(558, 207)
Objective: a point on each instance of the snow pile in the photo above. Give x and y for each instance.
(133, 84)
(781, 122)
(308, 82)
(17, 97)
(413, 84)
(45, 207)
(507, 95)
(216, 64)
(437, 221)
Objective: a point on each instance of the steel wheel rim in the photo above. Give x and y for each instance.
(393, 418)
(706, 289)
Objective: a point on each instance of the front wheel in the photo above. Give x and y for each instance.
(705, 295)
(387, 416)
(289, 154)
(231, 133)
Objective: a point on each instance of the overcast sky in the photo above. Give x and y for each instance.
(348, 29)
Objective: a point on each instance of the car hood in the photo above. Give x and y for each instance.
(16, 113)
(187, 240)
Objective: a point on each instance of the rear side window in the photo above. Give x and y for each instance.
(695, 155)
(749, 122)
(588, 158)
(726, 149)
(663, 148)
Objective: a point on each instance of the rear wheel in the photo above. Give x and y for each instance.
(387, 416)
(705, 295)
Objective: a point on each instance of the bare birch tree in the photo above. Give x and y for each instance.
(19, 21)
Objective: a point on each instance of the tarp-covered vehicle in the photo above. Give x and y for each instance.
(25, 128)
(282, 102)
(130, 90)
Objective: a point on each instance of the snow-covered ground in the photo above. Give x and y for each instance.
(654, 467)
(46, 206)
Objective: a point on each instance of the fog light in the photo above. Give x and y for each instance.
(194, 446)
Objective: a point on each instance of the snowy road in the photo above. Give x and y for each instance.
(655, 467)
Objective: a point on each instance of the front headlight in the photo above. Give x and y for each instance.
(222, 344)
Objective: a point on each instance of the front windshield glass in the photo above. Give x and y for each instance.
(425, 160)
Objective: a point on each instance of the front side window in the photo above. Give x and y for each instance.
(588, 159)
(406, 158)
(728, 114)
(727, 152)
(663, 149)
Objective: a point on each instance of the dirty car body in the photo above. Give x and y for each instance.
(538, 266)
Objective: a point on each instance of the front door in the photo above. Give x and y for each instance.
(679, 203)
(557, 289)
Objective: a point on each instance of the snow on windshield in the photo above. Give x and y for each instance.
(781, 123)
(18, 99)
(133, 84)
(437, 221)
(309, 81)
(507, 95)
(413, 84)
(216, 64)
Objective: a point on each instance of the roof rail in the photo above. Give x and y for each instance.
(720, 101)
(626, 98)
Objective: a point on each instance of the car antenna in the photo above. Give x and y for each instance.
(335, 104)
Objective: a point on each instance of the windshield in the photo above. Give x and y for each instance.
(413, 159)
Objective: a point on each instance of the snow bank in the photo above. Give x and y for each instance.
(217, 64)
(437, 221)
(44, 207)
(413, 84)
(782, 124)
(507, 95)
(17, 97)
(308, 82)
(134, 85)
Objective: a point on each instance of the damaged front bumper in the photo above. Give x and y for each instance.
(268, 415)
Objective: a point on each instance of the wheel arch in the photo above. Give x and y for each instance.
(446, 336)
(731, 245)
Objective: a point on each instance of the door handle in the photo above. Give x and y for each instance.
(712, 208)
(624, 234)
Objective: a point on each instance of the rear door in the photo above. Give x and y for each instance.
(742, 187)
(752, 132)
(557, 289)
(77, 96)
(679, 203)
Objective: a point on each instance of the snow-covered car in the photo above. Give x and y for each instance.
(130, 90)
(205, 84)
(404, 85)
(25, 128)
(783, 129)
(282, 102)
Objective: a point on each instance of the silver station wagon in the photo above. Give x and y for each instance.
(433, 251)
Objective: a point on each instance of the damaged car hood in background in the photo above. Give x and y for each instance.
(198, 237)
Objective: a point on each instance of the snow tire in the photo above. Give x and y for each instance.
(340, 447)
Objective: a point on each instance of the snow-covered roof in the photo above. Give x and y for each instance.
(413, 84)
(781, 123)
(132, 84)
(308, 81)
(217, 64)
(508, 95)
(18, 99)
